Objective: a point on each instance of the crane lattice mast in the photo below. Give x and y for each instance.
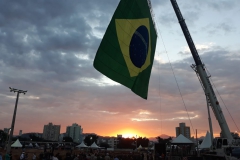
(199, 68)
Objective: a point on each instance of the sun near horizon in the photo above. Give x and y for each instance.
(129, 133)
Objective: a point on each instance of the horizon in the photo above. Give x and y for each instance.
(164, 136)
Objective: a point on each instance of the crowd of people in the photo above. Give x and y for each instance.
(88, 154)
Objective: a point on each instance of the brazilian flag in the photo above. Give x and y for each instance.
(127, 49)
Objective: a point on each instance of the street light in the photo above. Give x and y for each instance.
(14, 117)
(136, 141)
(91, 140)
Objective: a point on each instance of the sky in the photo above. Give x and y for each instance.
(48, 48)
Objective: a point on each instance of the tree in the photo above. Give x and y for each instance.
(67, 139)
(142, 141)
(104, 145)
(21, 138)
(3, 138)
(235, 135)
(126, 143)
(161, 140)
(90, 139)
(35, 138)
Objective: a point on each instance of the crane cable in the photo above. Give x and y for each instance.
(222, 100)
(160, 104)
(159, 31)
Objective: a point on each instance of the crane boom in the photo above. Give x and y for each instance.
(199, 68)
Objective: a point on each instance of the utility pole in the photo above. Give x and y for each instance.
(14, 117)
(136, 141)
(197, 143)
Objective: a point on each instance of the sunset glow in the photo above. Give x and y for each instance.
(129, 133)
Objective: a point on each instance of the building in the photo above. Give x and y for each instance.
(119, 136)
(184, 130)
(111, 141)
(75, 132)
(20, 132)
(6, 130)
(61, 136)
(51, 132)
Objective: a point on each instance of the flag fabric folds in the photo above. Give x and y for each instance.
(127, 49)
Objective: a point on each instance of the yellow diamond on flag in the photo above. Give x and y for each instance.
(135, 43)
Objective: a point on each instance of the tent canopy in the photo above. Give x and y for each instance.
(181, 140)
(94, 145)
(82, 145)
(152, 148)
(140, 147)
(16, 144)
(206, 141)
(36, 145)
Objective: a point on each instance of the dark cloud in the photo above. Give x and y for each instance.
(192, 10)
(220, 29)
(222, 5)
(167, 17)
(184, 53)
(222, 67)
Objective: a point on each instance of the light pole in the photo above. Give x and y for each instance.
(14, 117)
(9, 129)
(90, 141)
(136, 141)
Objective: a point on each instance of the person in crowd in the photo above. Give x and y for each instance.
(22, 156)
(162, 156)
(68, 156)
(1, 156)
(173, 148)
(107, 157)
(93, 156)
(34, 156)
(10, 155)
(55, 157)
(115, 157)
(26, 156)
(7, 157)
(76, 157)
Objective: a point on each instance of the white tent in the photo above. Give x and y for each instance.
(140, 147)
(30, 145)
(16, 144)
(94, 145)
(152, 148)
(181, 140)
(206, 141)
(36, 145)
(82, 145)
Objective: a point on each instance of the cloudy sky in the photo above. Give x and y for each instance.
(48, 47)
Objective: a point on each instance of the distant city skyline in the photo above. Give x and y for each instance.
(20, 132)
(181, 129)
